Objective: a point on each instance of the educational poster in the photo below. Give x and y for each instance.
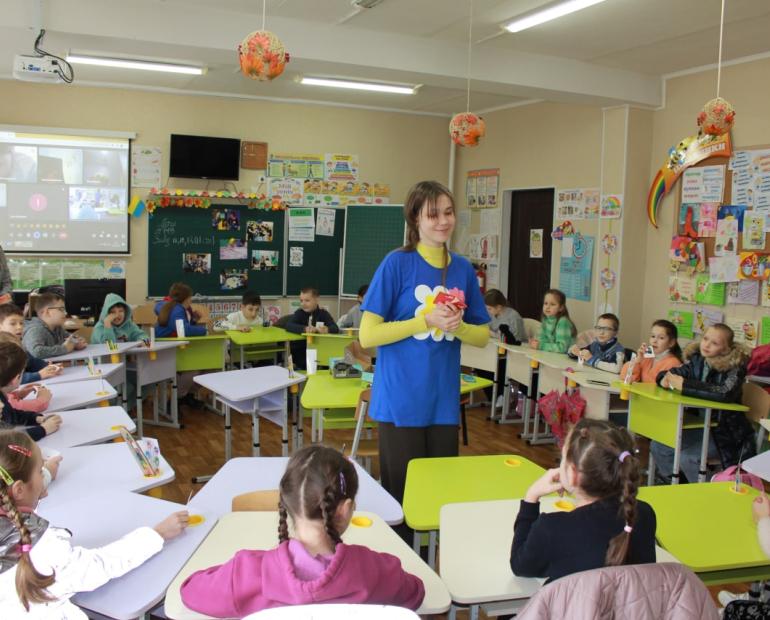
(703, 184)
(290, 191)
(723, 268)
(751, 177)
(571, 203)
(489, 221)
(744, 292)
(482, 247)
(233, 279)
(352, 193)
(536, 243)
(470, 191)
(683, 321)
(591, 198)
(681, 289)
(482, 188)
(705, 318)
(727, 237)
(380, 193)
(689, 216)
(259, 231)
(707, 292)
(753, 230)
(322, 193)
(233, 249)
(612, 206)
(324, 224)
(115, 269)
(754, 266)
(28, 273)
(295, 166)
(296, 256)
(764, 297)
(707, 220)
(575, 270)
(341, 167)
(746, 330)
(493, 274)
(196, 263)
(145, 166)
(301, 225)
(264, 260)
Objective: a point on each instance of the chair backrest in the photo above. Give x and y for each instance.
(757, 400)
(364, 398)
(334, 612)
(256, 501)
(531, 327)
(145, 314)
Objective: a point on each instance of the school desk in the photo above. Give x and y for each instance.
(258, 530)
(709, 528)
(520, 369)
(82, 427)
(261, 336)
(659, 414)
(759, 465)
(433, 482)
(80, 373)
(79, 394)
(106, 515)
(96, 351)
(244, 474)
(200, 352)
(475, 564)
(328, 345)
(257, 391)
(112, 466)
(596, 388)
(157, 365)
(483, 358)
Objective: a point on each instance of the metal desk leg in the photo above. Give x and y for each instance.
(432, 536)
(255, 432)
(243, 358)
(285, 427)
(228, 434)
(651, 470)
(139, 411)
(417, 542)
(678, 447)
(704, 451)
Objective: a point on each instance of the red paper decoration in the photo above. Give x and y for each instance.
(717, 117)
(262, 56)
(466, 129)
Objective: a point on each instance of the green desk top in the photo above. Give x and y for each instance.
(322, 391)
(652, 391)
(261, 335)
(466, 387)
(193, 339)
(431, 483)
(706, 526)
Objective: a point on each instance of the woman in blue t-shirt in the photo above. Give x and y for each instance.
(416, 390)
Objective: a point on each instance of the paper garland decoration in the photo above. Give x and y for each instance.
(716, 117)
(262, 56)
(607, 278)
(609, 244)
(466, 129)
(565, 229)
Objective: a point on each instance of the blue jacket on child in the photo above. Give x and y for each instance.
(604, 356)
(177, 312)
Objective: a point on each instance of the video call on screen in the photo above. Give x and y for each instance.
(63, 193)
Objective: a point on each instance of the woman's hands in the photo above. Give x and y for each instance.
(445, 317)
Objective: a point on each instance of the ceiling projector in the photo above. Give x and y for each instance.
(36, 69)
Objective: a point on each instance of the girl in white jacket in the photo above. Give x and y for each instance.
(40, 570)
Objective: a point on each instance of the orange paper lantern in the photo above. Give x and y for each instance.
(262, 56)
(466, 129)
(717, 117)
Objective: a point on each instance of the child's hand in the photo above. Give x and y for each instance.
(585, 355)
(44, 394)
(311, 330)
(50, 371)
(80, 344)
(760, 507)
(672, 381)
(109, 319)
(322, 329)
(245, 329)
(575, 350)
(545, 485)
(69, 344)
(641, 351)
(52, 465)
(51, 423)
(25, 391)
(173, 525)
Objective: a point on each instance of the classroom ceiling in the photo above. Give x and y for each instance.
(613, 52)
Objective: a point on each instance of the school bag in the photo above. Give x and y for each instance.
(759, 363)
(728, 475)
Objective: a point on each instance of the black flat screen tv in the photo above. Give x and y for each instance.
(203, 157)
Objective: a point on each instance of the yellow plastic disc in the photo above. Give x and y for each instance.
(195, 520)
(512, 462)
(741, 490)
(361, 521)
(565, 505)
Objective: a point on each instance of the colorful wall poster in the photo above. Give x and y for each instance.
(705, 318)
(290, 191)
(745, 292)
(684, 322)
(146, 166)
(295, 166)
(341, 167)
(482, 188)
(259, 231)
(482, 247)
(612, 206)
(751, 170)
(681, 289)
(707, 292)
(746, 330)
(723, 268)
(753, 230)
(591, 198)
(320, 193)
(233, 249)
(727, 237)
(689, 215)
(703, 184)
(324, 223)
(754, 266)
(571, 203)
(575, 270)
(536, 243)
(707, 222)
(735, 212)
(301, 224)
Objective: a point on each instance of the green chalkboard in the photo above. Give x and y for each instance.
(320, 258)
(371, 232)
(185, 244)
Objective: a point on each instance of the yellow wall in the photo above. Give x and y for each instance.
(393, 148)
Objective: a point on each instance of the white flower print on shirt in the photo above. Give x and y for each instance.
(425, 295)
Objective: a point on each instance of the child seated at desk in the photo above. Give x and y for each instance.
(557, 331)
(12, 323)
(318, 492)
(661, 354)
(353, 316)
(506, 323)
(608, 527)
(115, 323)
(248, 316)
(714, 369)
(177, 306)
(605, 352)
(12, 360)
(309, 319)
(44, 335)
(19, 398)
(40, 570)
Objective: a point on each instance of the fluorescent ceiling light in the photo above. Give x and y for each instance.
(371, 86)
(144, 65)
(546, 15)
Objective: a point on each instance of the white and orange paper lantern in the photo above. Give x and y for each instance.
(262, 56)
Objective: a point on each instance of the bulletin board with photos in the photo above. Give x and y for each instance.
(720, 252)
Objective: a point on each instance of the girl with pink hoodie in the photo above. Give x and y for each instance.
(318, 492)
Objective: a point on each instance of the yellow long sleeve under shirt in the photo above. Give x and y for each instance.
(376, 332)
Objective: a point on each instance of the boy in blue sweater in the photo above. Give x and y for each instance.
(605, 352)
(36, 369)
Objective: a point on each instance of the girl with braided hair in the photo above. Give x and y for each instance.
(608, 527)
(40, 570)
(317, 492)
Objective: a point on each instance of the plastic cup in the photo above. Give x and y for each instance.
(624, 393)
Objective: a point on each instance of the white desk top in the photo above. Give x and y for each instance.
(758, 379)
(244, 474)
(79, 394)
(94, 350)
(475, 556)
(236, 385)
(80, 373)
(759, 465)
(585, 377)
(257, 530)
(160, 345)
(81, 427)
(521, 349)
(118, 513)
(105, 467)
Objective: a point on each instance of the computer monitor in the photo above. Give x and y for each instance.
(20, 298)
(84, 298)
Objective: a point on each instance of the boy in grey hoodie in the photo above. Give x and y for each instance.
(44, 335)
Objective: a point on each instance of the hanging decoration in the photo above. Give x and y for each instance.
(713, 140)
(261, 54)
(201, 199)
(607, 278)
(466, 128)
